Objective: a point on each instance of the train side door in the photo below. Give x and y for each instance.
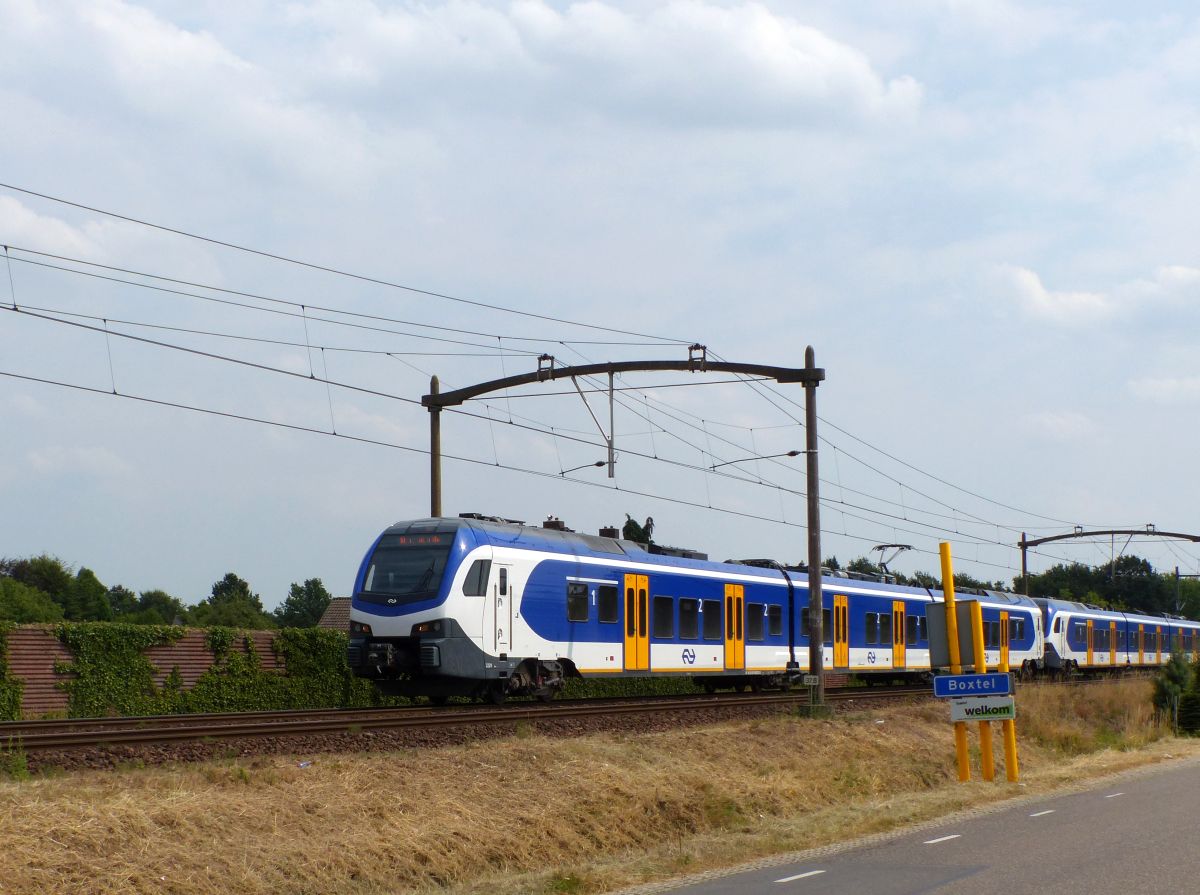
(1141, 644)
(841, 631)
(1090, 653)
(1157, 643)
(1003, 639)
(502, 600)
(735, 635)
(898, 634)
(637, 623)
(1112, 643)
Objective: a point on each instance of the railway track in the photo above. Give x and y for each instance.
(91, 733)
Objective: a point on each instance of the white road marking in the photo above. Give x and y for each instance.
(943, 839)
(1114, 795)
(792, 879)
(1043, 813)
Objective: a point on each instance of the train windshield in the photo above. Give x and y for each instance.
(406, 568)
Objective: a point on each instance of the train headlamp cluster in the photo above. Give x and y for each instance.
(434, 627)
(360, 629)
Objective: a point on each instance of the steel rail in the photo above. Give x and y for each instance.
(168, 729)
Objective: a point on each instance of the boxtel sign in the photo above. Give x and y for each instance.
(972, 685)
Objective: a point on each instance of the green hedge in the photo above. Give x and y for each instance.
(1189, 712)
(114, 677)
(10, 687)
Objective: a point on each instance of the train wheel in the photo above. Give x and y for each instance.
(496, 693)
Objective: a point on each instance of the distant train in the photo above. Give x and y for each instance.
(491, 608)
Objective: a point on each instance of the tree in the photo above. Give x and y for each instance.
(123, 601)
(304, 606)
(87, 599)
(46, 573)
(233, 605)
(157, 607)
(24, 605)
(864, 566)
(1173, 679)
(642, 534)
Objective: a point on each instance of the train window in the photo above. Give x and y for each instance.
(872, 627)
(606, 603)
(664, 617)
(924, 630)
(630, 613)
(475, 584)
(774, 620)
(826, 624)
(754, 621)
(914, 628)
(885, 628)
(1079, 630)
(1057, 625)
(689, 619)
(577, 601)
(711, 610)
(1016, 629)
(503, 582)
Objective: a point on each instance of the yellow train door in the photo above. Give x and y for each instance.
(1003, 639)
(1141, 644)
(1158, 644)
(841, 631)
(735, 639)
(637, 627)
(898, 634)
(1090, 655)
(1112, 643)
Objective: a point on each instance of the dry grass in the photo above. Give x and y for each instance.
(530, 814)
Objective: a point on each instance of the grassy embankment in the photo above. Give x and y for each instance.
(535, 815)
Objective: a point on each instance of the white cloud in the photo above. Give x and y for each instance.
(1059, 307)
(1060, 425)
(1167, 390)
(21, 226)
(1174, 285)
(683, 63)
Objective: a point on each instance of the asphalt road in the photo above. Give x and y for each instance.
(1138, 834)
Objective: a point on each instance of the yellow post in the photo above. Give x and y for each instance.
(986, 759)
(1011, 768)
(960, 727)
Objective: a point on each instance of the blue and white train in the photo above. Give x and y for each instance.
(490, 608)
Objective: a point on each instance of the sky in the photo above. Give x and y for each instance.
(981, 214)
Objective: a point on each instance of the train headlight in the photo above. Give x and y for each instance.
(358, 628)
(427, 628)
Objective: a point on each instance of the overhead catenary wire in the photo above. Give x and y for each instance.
(378, 281)
(470, 460)
(377, 393)
(842, 504)
(224, 290)
(917, 469)
(304, 316)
